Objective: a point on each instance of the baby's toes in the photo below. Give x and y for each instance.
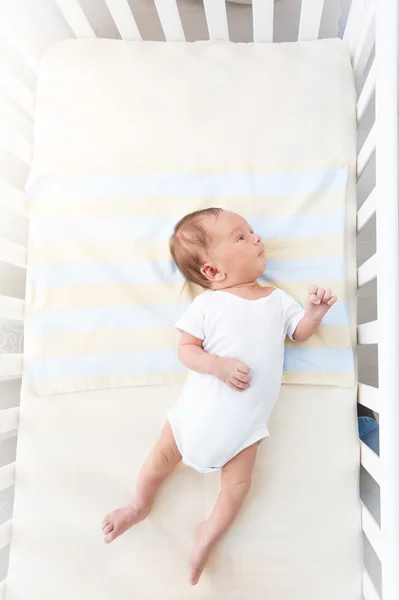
(107, 528)
(111, 536)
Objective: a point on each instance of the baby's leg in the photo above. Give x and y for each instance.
(236, 482)
(162, 460)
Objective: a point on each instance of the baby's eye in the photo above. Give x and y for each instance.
(240, 238)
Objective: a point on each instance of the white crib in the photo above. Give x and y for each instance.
(27, 28)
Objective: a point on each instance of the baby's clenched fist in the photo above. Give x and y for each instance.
(232, 372)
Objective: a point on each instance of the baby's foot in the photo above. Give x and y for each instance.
(200, 554)
(120, 520)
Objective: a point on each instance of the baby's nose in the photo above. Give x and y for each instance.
(257, 239)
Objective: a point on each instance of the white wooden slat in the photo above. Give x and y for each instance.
(351, 32)
(11, 364)
(371, 462)
(9, 419)
(366, 94)
(124, 19)
(367, 210)
(17, 90)
(76, 19)
(366, 151)
(30, 57)
(13, 198)
(5, 533)
(7, 476)
(262, 18)
(3, 589)
(357, 15)
(11, 377)
(365, 43)
(372, 530)
(12, 308)
(12, 254)
(310, 20)
(13, 142)
(170, 20)
(369, 591)
(367, 333)
(216, 18)
(368, 396)
(367, 271)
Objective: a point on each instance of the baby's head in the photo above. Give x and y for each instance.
(217, 249)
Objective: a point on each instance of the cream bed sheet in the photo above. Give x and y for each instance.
(299, 534)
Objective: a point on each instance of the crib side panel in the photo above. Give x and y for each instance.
(372, 36)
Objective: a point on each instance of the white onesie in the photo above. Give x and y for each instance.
(212, 422)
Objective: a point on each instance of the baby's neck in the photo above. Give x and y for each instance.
(251, 290)
(240, 287)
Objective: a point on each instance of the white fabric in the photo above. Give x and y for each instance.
(212, 422)
(299, 533)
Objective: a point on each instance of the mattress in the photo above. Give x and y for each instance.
(299, 533)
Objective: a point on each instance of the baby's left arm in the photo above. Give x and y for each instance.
(317, 305)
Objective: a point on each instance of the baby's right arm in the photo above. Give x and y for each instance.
(229, 370)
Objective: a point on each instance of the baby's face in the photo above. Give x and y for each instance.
(236, 251)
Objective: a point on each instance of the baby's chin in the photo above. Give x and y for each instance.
(262, 266)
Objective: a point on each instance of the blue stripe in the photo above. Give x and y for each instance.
(93, 318)
(114, 364)
(125, 273)
(143, 228)
(76, 320)
(337, 315)
(306, 269)
(325, 360)
(166, 361)
(102, 273)
(188, 184)
(100, 230)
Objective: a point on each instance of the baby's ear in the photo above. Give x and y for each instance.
(212, 273)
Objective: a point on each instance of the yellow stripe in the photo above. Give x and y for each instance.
(94, 342)
(86, 384)
(328, 336)
(316, 378)
(175, 206)
(154, 250)
(84, 296)
(46, 388)
(141, 250)
(150, 294)
(314, 247)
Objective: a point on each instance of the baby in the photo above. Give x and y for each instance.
(232, 341)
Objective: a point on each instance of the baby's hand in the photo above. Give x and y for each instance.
(319, 302)
(232, 372)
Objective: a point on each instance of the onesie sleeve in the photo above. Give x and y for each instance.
(193, 319)
(292, 313)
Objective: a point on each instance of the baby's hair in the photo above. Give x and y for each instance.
(189, 245)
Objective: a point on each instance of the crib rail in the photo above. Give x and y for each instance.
(216, 19)
(18, 66)
(381, 144)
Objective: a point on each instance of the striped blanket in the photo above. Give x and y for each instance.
(103, 293)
